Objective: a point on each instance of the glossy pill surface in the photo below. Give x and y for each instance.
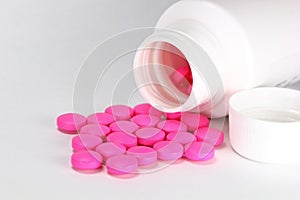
(122, 164)
(210, 135)
(128, 140)
(145, 155)
(95, 129)
(100, 118)
(110, 149)
(148, 136)
(168, 150)
(86, 160)
(120, 112)
(172, 126)
(199, 151)
(70, 122)
(123, 126)
(85, 142)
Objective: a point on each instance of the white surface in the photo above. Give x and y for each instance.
(258, 119)
(42, 46)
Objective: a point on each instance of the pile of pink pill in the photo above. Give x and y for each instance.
(124, 138)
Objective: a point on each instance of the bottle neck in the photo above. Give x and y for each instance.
(200, 49)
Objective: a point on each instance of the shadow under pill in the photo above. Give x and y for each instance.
(94, 171)
(205, 162)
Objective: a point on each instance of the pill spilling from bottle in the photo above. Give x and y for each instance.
(123, 139)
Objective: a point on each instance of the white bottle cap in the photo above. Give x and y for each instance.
(265, 124)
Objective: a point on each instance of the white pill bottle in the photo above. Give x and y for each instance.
(228, 45)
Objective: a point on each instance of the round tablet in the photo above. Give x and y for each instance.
(181, 137)
(194, 121)
(123, 126)
(126, 139)
(100, 118)
(144, 155)
(70, 122)
(86, 160)
(210, 135)
(175, 115)
(199, 151)
(120, 112)
(95, 129)
(168, 150)
(148, 136)
(146, 108)
(110, 149)
(85, 142)
(121, 164)
(172, 126)
(145, 120)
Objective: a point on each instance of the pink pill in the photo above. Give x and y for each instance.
(86, 160)
(85, 142)
(126, 139)
(144, 155)
(70, 122)
(175, 115)
(100, 118)
(146, 108)
(123, 126)
(95, 129)
(110, 149)
(121, 164)
(180, 74)
(120, 112)
(145, 120)
(199, 151)
(194, 121)
(168, 150)
(181, 137)
(210, 135)
(148, 136)
(185, 88)
(190, 77)
(172, 126)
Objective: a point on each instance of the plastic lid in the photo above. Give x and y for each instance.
(265, 124)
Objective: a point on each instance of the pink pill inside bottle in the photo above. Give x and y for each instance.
(168, 150)
(120, 112)
(95, 129)
(70, 122)
(86, 160)
(145, 155)
(175, 115)
(210, 135)
(85, 142)
(181, 73)
(121, 164)
(100, 118)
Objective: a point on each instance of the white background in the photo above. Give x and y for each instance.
(42, 45)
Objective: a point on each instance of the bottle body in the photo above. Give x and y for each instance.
(228, 45)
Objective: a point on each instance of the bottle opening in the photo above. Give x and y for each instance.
(270, 104)
(165, 73)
